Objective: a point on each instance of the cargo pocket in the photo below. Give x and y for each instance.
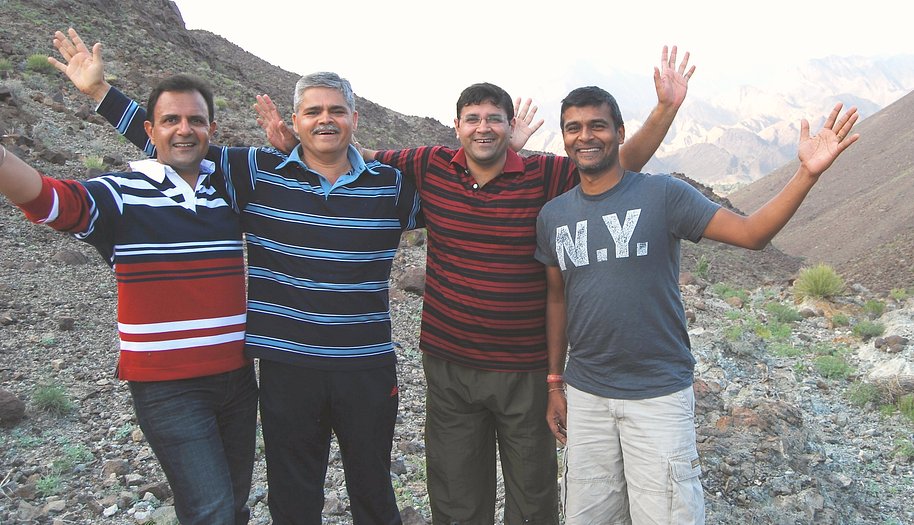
(687, 497)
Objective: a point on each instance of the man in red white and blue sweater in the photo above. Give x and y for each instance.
(176, 249)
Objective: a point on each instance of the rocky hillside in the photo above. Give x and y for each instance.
(800, 410)
(858, 217)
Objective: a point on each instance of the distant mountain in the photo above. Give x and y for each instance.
(742, 135)
(860, 216)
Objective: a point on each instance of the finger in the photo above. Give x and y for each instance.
(846, 122)
(80, 45)
(97, 51)
(804, 129)
(832, 117)
(516, 105)
(688, 74)
(60, 66)
(664, 56)
(672, 63)
(685, 63)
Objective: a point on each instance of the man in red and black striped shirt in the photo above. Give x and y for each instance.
(483, 320)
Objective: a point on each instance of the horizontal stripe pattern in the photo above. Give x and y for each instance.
(180, 272)
(319, 263)
(485, 294)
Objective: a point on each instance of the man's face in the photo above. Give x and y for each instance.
(591, 138)
(324, 123)
(181, 130)
(484, 132)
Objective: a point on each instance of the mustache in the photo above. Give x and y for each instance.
(325, 128)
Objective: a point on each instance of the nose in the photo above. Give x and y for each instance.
(184, 126)
(586, 133)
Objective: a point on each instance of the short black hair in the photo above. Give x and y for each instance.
(486, 92)
(181, 83)
(591, 96)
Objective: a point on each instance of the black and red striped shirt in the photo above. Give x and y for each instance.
(485, 294)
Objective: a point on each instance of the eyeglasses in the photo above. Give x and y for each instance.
(476, 120)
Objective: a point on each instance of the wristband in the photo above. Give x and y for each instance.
(554, 378)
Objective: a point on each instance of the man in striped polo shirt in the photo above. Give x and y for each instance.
(175, 246)
(483, 318)
(322, 228)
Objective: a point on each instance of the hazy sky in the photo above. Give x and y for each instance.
(416, 56)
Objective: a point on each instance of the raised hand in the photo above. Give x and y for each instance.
(278, 133)
(85, 69)
(670, 81)
(818, 152)
(524, 127)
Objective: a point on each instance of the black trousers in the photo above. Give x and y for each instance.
(299, 407)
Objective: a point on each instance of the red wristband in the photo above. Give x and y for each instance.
(554, 378)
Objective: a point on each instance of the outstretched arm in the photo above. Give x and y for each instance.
(86, 70)
(556, 346)
(18, 181)
(816, 154)
(672, 84)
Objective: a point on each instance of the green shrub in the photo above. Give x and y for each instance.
(733, 332)
(53, 399)
(5, 65)
(783, 313)
(94, 162)
(726, 291)
(703, 267)
(820, 281)
(220, 102)
(868, 329)
(48, 485)
(899, 294)
(874, 308)
(779, 331)
(840, 319)
(904, 449)
(906, 406)
(833, 367)
(72, 455)
(39, 64)
(862, 394)
(783, 349)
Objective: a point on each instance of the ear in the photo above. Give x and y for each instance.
(621, 132)
(456, 126)
(355, 120)
(295, 124)
(148, 127)
(212, 128)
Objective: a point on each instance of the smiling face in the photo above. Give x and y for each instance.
(591, 138)
(324, 124)
(180, 131)
(484, 131)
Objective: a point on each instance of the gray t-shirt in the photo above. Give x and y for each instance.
(619, 257)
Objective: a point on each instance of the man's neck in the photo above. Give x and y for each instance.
(602, 181)
(331, 167)
(484, 173)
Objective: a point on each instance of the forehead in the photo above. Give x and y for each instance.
(588, 113)
(181, 103)
(322, 97)
(482, 109)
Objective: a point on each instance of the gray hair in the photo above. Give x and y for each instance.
(324, 79)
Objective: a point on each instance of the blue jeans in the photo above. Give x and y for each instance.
(203, 432)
